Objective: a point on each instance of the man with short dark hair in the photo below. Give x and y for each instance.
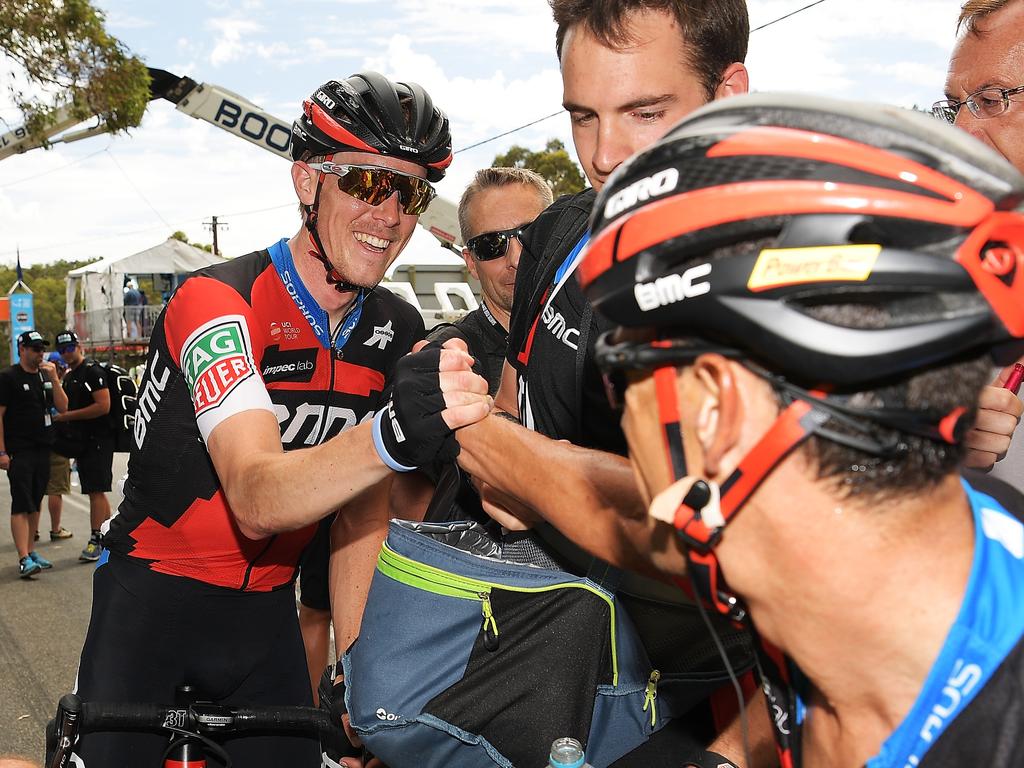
(28, 391)
(88, 394)
(630, 70)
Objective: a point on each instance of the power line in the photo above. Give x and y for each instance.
(130, 233)
(553, 114)
(137, 190)
(506, 133)
(53, 170)
(788, 15)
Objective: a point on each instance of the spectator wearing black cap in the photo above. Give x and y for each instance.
(28, 391)
(88, 395)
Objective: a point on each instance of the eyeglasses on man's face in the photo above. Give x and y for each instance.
(983, 104)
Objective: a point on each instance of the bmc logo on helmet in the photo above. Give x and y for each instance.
(672, 288)
(660, 183)
(324, 99)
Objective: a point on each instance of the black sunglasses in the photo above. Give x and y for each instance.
(374, 185)
(494, 245)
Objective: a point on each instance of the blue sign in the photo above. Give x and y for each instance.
(23, 318)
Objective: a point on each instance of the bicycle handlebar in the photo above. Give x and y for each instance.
(75, 717)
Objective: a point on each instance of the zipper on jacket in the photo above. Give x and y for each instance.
(651, 696)
(490, 628)
(432, 579)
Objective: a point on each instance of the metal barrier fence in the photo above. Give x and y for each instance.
(118, 326)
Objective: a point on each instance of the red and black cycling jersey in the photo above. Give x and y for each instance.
(232, 338)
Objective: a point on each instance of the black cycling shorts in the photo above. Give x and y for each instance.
(150, 632)
(95, 467)
(28, 474)
(314, 571)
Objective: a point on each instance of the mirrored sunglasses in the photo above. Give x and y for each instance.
(372, 184)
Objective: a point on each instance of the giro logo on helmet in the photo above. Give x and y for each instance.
(407, 148)
(672, 288)
(324, 99)
(641, 191)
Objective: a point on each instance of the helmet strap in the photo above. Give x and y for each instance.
(703, 514)
(318, 252)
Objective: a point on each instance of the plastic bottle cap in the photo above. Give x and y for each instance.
(566, 753)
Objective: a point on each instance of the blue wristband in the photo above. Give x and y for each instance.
(378, 443)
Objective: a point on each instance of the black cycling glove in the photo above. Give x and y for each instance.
(409, 431)
(332, 699)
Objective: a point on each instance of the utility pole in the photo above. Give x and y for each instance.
(213, 225)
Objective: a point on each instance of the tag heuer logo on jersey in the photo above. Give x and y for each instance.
(382, 336)
(216, 358)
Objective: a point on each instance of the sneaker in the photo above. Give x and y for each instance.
(42, 562)
(28, 567)
(92, 551)
(62, 533)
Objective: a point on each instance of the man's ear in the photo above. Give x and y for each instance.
(304, 182)
(467, 255)
(735, 81)
(720, 417)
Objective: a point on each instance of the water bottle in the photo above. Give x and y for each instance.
(567, 753)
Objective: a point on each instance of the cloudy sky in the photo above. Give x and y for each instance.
(489, 63)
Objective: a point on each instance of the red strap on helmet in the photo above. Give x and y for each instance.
(334, 129)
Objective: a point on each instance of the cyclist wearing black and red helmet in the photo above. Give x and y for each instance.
(807, 294)
(291, 347)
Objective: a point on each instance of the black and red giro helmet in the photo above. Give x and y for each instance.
(757, 209)
(370, 113)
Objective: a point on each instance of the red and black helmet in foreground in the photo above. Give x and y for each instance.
(757, 209)
(369, 113)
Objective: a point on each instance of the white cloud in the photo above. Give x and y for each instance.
(489, 63)
(230, 46)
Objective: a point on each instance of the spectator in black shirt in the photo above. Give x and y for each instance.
(88, 405)
(28, 392)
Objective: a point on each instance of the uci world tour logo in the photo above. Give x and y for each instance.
(216, 358)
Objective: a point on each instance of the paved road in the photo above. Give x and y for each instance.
(43, 622)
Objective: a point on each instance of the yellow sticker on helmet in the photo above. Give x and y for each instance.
(776, 267)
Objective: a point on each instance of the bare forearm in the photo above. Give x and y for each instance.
(93, 411)
(60, 398)
(356, 537)
(273, 491)
(760, 737)
(588, 495)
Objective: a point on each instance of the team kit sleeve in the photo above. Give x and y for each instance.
(212, 335)
(95, 378)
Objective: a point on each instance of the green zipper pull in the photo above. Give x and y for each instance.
(490, 625)
(651, 695)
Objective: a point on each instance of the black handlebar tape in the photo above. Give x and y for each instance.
(97, 716)
(294, 719)
(282, 719)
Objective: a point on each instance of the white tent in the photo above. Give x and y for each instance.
(99, 286)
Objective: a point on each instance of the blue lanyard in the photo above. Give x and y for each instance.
(281, 256)
(569, 265)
